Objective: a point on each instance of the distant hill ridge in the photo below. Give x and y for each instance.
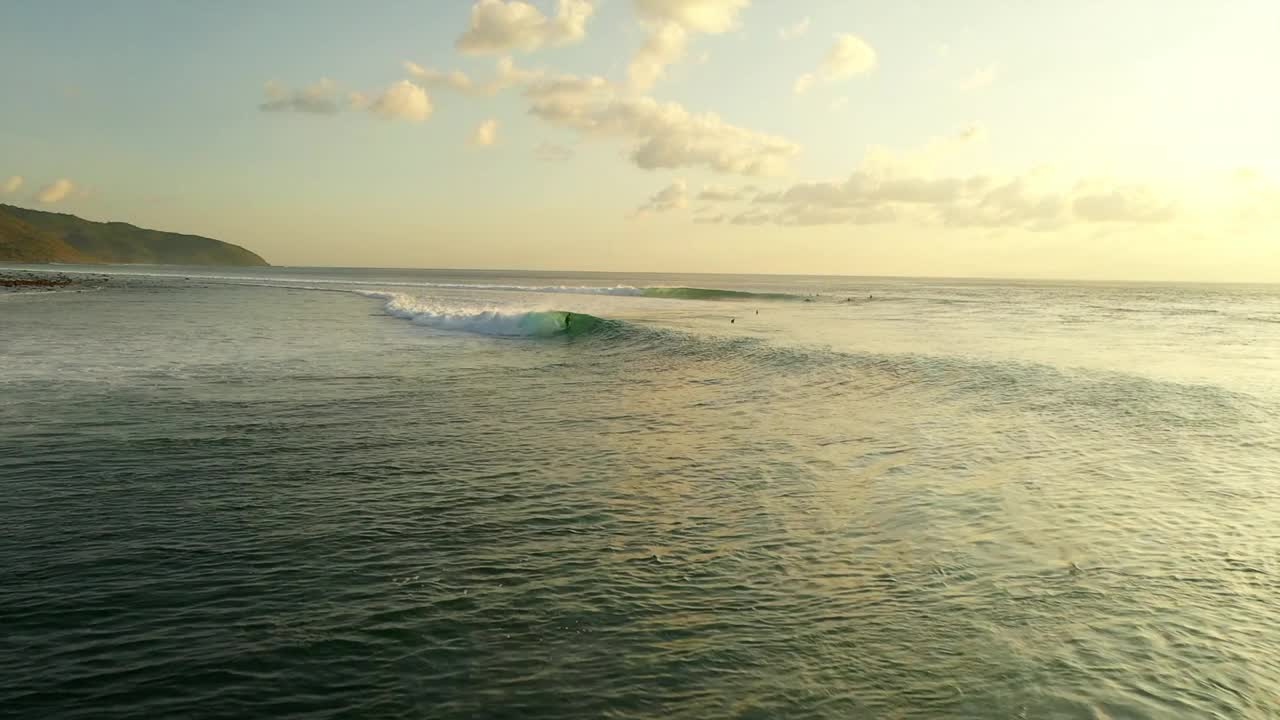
(34, 236)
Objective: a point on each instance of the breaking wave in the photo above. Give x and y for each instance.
(491, 321)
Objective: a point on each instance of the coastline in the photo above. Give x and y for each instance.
(18, 282)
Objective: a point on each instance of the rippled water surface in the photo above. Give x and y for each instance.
(348, 493)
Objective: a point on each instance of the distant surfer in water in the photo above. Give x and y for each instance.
(568, 318)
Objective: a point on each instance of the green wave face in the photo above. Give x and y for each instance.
(690, 293)
(558, 322)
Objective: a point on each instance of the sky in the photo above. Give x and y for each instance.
(1130, 140)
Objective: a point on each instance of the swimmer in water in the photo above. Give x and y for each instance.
(733, 320)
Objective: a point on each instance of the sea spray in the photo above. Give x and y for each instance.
(488, 321)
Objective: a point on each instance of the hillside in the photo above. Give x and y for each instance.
(19, 242)
(35, 236)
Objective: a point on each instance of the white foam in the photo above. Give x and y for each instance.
(486, 321)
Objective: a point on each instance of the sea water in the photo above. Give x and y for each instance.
(442, 494)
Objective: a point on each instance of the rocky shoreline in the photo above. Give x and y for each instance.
(15, 281)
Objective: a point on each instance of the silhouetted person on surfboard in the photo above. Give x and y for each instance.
(568, 317)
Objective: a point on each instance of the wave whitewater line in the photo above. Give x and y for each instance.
(507, 323)
(1098, 392)
(1091, 393)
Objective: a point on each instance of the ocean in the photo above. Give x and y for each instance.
(289, 492)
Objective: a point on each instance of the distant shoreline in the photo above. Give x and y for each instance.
(13, 282)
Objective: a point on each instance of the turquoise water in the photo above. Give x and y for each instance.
(363, 493)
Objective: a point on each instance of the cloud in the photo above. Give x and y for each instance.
(551, 152)
(505, 75)
(1122, 204)
(722, 193)
(485, 134)
(435, 79)
(403, 100)
(11, 184)
(670, 24)
(962, 201)
(669, 136)
(704, 16)
(499, 26)
(357, 100)
(318, 98)
(666, 135)
(1014, 202)
(55, 191)
(912, 186)
(673, 197)
(751, 217)
(795, 30)
(664, 46)
(981, 78)
(849, 56)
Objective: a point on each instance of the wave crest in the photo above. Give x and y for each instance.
(492, 321)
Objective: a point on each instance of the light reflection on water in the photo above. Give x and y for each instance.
(960, 499)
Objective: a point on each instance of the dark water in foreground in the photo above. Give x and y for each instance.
(411, 494)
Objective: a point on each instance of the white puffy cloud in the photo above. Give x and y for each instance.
(485, 134)
(673, 197)
(319, 98)
(670, 23)
(431, 78)
(849, 56)
(795, 30)
(664, 46)
(505, 75)
(402, 100)
(499, 26)
(551, 152)
(980, 78)
(11, 184)
(55, 191)
(704, 16)
(666, 135)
